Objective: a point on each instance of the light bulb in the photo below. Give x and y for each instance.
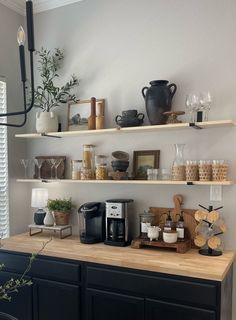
(21, 36)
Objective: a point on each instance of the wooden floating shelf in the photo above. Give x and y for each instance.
(196, 125)
(130, 182)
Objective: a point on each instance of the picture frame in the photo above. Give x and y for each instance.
(143, 160)
(79, 112)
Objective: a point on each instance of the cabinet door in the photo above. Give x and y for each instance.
(102, 305)
(55, 300)
(156, 310)
(21, 301)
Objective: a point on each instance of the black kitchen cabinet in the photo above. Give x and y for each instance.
(55, 300)
(102, 305)
(156, 310)
(68, 289)
(21, 303)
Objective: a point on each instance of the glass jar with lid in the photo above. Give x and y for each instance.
(101, 167)
(76, 166)
(146, 220)
(87, 172)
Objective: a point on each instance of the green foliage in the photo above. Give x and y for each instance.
(48, 95)
(13, 285)
(62, 205)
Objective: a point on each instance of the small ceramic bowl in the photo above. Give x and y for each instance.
(170, 236)
(120, 155)
(120, 165)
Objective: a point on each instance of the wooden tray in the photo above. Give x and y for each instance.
(179, 246)
(189, 220)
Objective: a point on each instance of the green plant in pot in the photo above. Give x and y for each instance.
(61, 208)
(48, 95)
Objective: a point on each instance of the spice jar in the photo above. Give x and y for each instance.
(101, 167)
(146, 220)
(76, 166)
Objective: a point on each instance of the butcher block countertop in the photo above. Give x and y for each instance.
(190, 264)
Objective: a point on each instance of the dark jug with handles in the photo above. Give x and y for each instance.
(158, 99)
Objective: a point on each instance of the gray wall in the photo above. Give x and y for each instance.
(9, 67)
(116, 48)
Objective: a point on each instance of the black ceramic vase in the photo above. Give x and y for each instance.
(158, 99)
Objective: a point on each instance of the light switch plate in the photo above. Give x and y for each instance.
(216, 193)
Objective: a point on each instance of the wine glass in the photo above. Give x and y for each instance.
(205, 100)
(25, 163)
(51, 163)
(57, 163)
(39, 163)
(192, 105)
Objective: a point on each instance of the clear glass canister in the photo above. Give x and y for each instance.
(76, 166)
(101, 167)
(88, 162)
(146, 220)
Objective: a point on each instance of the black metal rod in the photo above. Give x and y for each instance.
(22, 63)
(30, 25)
(219, 208)
(26, 110)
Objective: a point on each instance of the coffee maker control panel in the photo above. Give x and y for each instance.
(115, 210)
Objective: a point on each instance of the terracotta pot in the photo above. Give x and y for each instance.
(46, 122)
(61, 218)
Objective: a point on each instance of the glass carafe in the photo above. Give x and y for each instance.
(178, 168)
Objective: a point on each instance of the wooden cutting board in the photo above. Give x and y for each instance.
(189, 220)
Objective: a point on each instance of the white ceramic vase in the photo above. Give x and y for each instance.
(49, 219)
(46, 122)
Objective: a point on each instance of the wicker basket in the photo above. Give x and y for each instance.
(61, 218)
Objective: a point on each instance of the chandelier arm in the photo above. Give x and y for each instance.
(25, 114)
(26, 110)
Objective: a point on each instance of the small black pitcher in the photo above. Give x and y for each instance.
(158, 99)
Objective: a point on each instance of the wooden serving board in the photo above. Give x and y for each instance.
(179, 246)
(189, 220)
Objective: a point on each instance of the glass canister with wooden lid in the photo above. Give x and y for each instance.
(146, 220)
(87, 171)
(101, 167)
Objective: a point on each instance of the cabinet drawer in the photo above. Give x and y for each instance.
(171, 288)
(42, 267)
(56, 270)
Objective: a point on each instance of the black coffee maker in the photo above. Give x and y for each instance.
(92, 222)
(117, 231)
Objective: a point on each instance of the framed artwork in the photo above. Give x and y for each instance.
(79, 112)
(143, 160)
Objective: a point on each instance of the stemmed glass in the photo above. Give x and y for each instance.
(25, 163)
(39, 163)
(192, 105)
(57, 163)
(51, 163)
(205, 100)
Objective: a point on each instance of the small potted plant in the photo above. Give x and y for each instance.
(48, 95)
(61, 208)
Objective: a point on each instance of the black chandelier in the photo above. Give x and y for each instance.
(31, 49)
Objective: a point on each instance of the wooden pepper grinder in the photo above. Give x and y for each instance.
(92, 117)
(100, 116)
